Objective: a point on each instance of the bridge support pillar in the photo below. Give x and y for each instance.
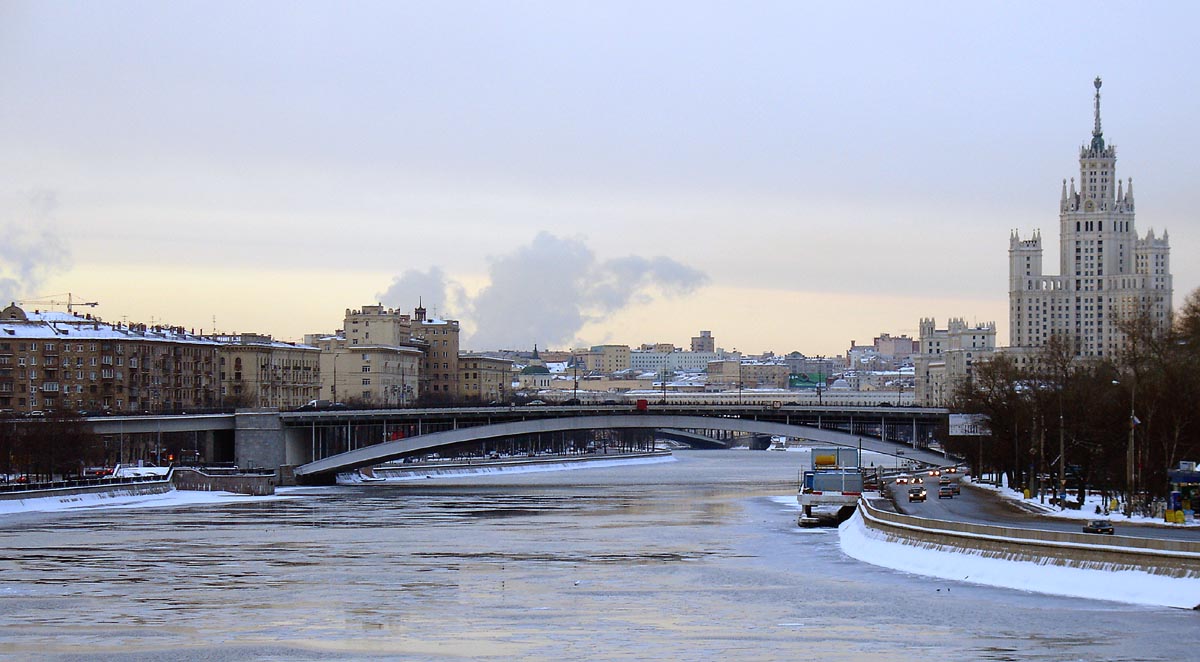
(259, 441)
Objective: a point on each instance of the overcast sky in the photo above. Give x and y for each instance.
(790, 176)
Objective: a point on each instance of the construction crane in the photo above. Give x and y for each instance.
(50, 300)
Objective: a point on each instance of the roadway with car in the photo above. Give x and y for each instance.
(983, 507)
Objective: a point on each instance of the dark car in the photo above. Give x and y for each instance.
(945, 492)
(1098, 526)
(916, 494)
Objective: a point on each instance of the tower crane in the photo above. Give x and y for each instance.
(70, 303)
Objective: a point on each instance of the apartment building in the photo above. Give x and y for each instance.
(605, 359)
(440, 376)
(485, 379)
(370, 375)
(948, 357)
(257, 371)
(62, 361)
(734, 374)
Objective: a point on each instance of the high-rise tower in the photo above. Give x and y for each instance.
(1107, 273)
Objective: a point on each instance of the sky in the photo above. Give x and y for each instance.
(791, 176)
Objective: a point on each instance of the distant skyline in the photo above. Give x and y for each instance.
(788, 176)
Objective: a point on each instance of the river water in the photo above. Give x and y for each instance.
(687, 560)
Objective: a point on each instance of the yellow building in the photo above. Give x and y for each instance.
(484, 379)
(733, 374)
(369, 375)
(256, 371)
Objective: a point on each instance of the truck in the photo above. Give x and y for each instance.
(830, 488)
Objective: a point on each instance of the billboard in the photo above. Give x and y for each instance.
(969, 425)
(806, 380)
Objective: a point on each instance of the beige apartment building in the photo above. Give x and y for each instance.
(257, 371)
(371, 375)
(606, 359)
(948, 357)
(485, 379)
(734, 374)
(376, 325)
(61, 361)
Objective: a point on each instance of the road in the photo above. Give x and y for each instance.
(983, 507)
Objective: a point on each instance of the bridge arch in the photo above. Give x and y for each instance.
(391, 450)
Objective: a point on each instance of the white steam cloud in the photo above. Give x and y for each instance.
(431, 288)
(545, 292)
(31, 250)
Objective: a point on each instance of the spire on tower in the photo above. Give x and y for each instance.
(1097, 134)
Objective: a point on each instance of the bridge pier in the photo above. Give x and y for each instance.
(259, 440)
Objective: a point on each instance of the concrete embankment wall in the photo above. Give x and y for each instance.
(490, 466)
(1174, 558)
(252, 484)
(107, 487)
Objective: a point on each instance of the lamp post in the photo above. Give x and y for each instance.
(666, 357)
(1129, 448)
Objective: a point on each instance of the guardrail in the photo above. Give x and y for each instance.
(78, 482)
(1177, 558)
(134, 485)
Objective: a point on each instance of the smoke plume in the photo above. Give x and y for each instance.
(546, 291)
(31, 250)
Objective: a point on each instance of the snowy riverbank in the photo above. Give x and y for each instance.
(170, 499)
(871, 546)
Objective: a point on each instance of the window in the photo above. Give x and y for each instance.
(366, 368)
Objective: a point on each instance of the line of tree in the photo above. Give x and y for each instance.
(1088, 406)
(57, 446)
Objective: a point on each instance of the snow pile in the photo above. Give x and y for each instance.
(1131, 586)
(172, 498)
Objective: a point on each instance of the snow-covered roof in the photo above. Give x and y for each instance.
(64, 326)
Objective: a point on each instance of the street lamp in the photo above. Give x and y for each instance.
(1129, 457)
(575, 393)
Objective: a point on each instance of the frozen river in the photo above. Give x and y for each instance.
(688, 560)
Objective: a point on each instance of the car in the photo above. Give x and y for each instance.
(916, 494)
(945, 492)
(935, 472)
(903, 480)
(943, 481)
(1099, 526)
(918, 480)
(956, 488)
(535, 403)
(952, 470)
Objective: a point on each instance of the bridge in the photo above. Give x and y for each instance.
(322, 443)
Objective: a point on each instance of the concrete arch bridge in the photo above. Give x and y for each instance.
(325, 469)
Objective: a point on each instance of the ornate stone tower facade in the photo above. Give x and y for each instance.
(1107, 273)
